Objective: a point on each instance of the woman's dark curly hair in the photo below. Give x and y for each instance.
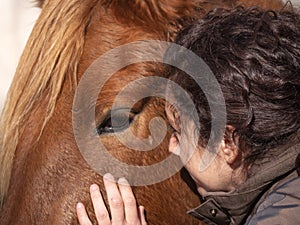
(255, 57)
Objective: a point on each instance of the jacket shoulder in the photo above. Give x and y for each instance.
(280, 204)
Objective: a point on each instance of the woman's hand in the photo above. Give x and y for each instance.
(122, 203)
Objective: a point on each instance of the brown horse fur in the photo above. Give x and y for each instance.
(42, 173)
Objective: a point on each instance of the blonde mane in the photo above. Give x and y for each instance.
(52, 53)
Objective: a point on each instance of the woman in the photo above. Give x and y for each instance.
(254, 176)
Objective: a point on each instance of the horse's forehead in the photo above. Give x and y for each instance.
(97, 45)
(107, 32)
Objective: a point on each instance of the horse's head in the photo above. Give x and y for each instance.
(43, 173)
(49, 174)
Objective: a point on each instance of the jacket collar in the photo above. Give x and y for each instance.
(229, 208)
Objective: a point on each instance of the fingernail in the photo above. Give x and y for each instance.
(94, 187)
(122, 180)
(79, 205)
(109, 177)
(142, 211)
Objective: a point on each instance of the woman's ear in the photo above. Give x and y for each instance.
(229, 147)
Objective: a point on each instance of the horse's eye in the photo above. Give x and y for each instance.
(116, 121)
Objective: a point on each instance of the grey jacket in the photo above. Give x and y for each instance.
(270, 196)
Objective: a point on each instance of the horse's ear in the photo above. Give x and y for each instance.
(40, 3)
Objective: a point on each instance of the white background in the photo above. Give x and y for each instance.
(17, 18)
(16, 21)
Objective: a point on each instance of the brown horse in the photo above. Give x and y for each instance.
(42, 172)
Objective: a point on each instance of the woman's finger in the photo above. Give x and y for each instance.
(114, 199)
(99, 206)
(142, 215)
(131, 211)
(82, 215)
